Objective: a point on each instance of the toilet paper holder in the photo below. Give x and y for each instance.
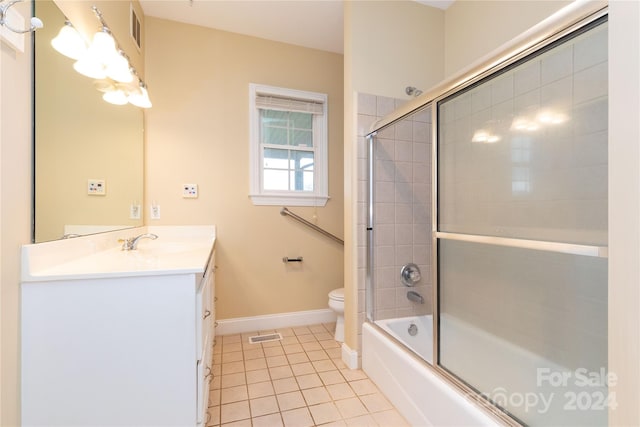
(286, 259)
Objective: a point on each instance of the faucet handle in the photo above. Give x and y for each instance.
(410, 274)
(126, 244)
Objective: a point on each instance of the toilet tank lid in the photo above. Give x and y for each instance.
(337, 294)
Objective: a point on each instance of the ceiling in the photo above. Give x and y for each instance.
(315, 24)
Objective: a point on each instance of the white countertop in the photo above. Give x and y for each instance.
(177, 250)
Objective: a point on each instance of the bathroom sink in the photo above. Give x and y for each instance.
(161, 248)
(178, 249)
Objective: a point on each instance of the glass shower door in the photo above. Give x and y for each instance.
(400, 208)
(522, 234)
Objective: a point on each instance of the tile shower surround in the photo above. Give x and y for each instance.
(402, 207)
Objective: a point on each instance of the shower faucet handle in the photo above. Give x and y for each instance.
(410, 274)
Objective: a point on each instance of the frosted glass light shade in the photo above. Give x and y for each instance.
(104, 85)
(94, 62)
(118, 69)
(116, 97)
(90, 66)
(103, 46)
(140, 98)
(69, 42)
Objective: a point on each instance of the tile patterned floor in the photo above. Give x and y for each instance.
(299, 381)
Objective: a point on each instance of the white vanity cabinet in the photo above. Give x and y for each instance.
(204, 338)
(126, 350)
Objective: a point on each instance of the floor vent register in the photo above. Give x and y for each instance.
(265, 338)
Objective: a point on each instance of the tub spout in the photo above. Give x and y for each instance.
(415, 297)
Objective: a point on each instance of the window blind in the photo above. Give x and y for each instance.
(270, 102)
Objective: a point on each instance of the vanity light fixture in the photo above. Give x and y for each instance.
(105, 62)
(34, 23)
(140, 98)
(118, 68)
(134, 93)
(69, 42)
(90, 68)
(98, 56)
(116, 97)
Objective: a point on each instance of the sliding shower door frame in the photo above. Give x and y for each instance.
(369, 280)
(572, 24)
(579, 15)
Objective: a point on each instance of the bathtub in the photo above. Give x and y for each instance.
(421, 343)
(425, 399)
(420, 395)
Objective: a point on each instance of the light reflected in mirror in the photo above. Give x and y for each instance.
(80, 138)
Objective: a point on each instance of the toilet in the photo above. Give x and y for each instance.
(336, 303)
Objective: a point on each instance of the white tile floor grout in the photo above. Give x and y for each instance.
(299, 381)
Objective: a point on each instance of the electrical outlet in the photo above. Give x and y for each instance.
(135, 211)
(155, 211)
(190, 191)
(96, 187)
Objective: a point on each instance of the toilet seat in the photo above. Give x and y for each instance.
(337, 294)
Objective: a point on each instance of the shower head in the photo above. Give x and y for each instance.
(412, 91)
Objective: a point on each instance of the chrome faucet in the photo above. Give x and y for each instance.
(415, 297)
(131, 244)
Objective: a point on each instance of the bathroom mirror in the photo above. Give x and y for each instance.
(79, 140)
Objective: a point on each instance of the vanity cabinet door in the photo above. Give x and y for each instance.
(210, 321)
(205, 376)
(111, 352)
(204, 312)
(205, 322)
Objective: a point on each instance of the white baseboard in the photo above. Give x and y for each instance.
(267, 322)
(350, 357)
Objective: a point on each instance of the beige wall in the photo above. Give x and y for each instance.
(15, 210)
(388, 46)
(395, 44)
(473, 28)
(198, 132)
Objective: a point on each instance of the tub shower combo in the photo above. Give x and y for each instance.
(486, 283)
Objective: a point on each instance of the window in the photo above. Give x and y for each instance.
(288, 146)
